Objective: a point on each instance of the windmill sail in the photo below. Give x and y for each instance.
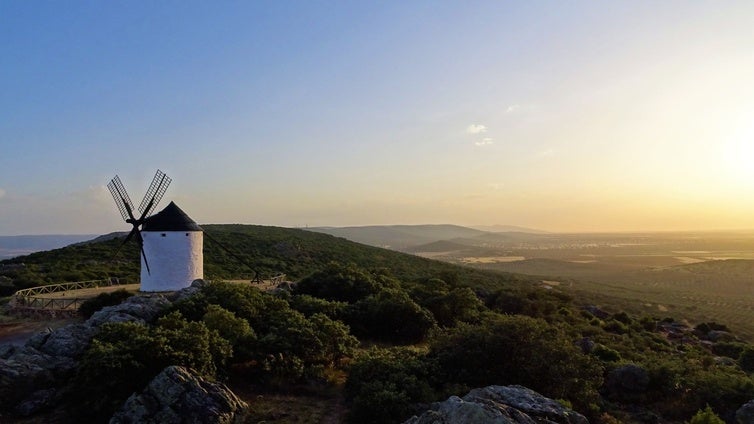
(122, 201)
(154, 194)
(156, 190)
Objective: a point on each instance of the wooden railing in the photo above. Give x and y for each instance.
(277, 279)
(38, 297)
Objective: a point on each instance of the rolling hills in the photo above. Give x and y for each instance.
(399, 237)
(268, 250)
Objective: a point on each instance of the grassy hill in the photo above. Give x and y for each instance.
(269, 250)
(400, 237)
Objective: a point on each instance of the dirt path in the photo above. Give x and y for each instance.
(16, 331)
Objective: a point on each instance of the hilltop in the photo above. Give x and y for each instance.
(269, 250)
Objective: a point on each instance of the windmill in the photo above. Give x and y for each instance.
(154, 194)
(170, 238)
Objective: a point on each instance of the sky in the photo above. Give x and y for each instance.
(561, 116)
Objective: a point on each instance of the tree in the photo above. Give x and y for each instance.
(517, 350)
(456, 306)
(344, 283)
(390, 316)
(383, 385)
(706, 417)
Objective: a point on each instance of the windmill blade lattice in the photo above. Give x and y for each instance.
(122, 201)
(154, 194)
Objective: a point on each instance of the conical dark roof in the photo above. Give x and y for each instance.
(172, 218)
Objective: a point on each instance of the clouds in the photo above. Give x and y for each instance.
(478, 129)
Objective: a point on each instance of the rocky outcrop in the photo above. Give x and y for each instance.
(499, 405)
(31, 375)
(745, 414)
(178, 396)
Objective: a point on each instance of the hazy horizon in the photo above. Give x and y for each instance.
(548, 231)
(627, 116)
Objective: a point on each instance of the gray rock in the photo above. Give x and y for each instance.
(500, 405)
(718, 336)
(48, 359)
(69, 341)
(37, 401)
(745, 414)
(189, 291)
(18, 379)
(141, 308)
(6, 350)
(178, 396)
(36, 341)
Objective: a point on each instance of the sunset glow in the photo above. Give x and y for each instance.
(583, 116)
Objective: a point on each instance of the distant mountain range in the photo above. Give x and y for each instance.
(507, 229)
(12, 246)
(409, 237)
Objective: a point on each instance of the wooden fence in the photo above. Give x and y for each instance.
(38, 298)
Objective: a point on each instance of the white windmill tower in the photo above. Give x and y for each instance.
(170, 239)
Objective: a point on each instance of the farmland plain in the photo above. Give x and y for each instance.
(695, 276)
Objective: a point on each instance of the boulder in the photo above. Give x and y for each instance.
(69, 341)
(499, 405)
(745, 414)
(143, 308)
(189, 291)
(178, 396)
(19, 379)
(38, 400)
(30, 375)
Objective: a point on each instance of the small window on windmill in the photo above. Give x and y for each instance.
(186, 234)
(163, 235)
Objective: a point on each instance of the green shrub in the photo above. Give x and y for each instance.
(310, 305)
(90, 306)
(124, 357)
(746, 359)
(706, 417)
(729, 349)
(458, 305)
(383, 385)
(390, 316)
(517, 350)
(340, 283)
(606, 354)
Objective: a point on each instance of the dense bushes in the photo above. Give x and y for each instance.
(281, 343)
(537, 338)
(390, 316)
(124, 357)
(340, 283)
(385, 384)
(90, 306)
(517, 350)
(373, 304)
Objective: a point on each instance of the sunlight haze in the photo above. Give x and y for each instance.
(559, 116)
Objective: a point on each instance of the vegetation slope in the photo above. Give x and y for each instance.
(392, 333)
